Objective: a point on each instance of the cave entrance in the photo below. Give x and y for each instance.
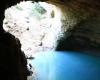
(36, 25)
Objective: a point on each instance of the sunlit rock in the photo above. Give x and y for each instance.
(37, 25)
(54, 25)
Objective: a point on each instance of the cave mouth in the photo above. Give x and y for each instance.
(36, 24)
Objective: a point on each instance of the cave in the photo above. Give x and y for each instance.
(50, 39)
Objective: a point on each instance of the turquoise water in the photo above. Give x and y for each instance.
(66, 66)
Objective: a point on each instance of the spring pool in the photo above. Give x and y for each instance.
(66, 66)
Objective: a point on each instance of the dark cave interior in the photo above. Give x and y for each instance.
(13, 63)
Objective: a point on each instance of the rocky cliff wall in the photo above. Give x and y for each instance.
(65, 25)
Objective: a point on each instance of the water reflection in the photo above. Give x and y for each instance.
(66, 66)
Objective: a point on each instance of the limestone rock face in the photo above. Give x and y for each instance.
(37, 25)
(55, 25)
(84, 36)
(13, 63)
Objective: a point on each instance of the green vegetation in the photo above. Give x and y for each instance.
(18, 7)
(38, 11)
